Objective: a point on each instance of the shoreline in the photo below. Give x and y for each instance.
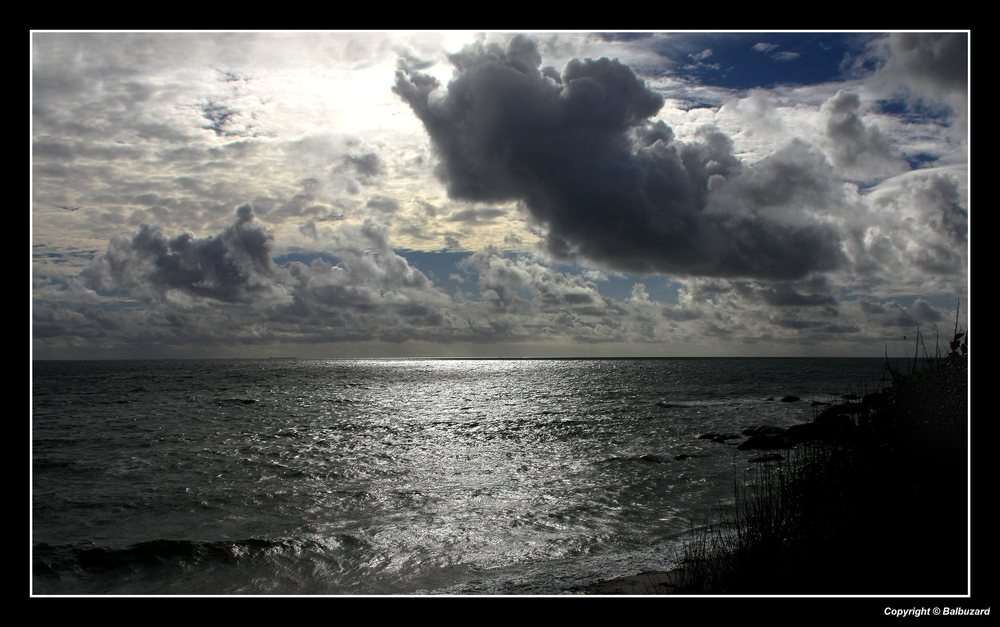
(848, 515)
(663, 582)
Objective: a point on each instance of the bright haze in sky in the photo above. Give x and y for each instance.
(350, 194)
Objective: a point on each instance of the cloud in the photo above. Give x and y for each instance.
(220, 118)
(370, 279)
(158, 137)
(919, 231)
(406, 59)
(525, 284)
(930, 70)
(928, 61)
(207, 121)
(768, 48)
(368, 291)
(785, 56)
(477, 216)
(786, 295)
(861, 151)
(925, 312)
(797, 315)
(527, 300)
(364, 291)
(234, 266)
(62, 150)
(383, 204)
(610, 184)
(367, 165)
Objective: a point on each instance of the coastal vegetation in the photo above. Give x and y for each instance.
(872, 499)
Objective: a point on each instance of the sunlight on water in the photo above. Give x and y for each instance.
(386, 476)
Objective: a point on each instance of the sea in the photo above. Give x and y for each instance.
(393, 476)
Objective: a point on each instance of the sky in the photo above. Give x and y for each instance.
(497, 194)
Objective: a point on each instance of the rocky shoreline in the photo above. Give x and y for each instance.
(841, 503)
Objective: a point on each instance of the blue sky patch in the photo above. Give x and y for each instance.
(762, 60)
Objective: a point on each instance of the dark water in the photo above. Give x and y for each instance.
(390, 476)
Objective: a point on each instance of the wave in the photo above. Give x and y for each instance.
(55, 560)
(647, 458)
(236, 401)
(700, 404)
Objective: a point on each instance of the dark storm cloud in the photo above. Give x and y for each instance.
(869, 307)
(920, 314)
(896, 315)
(609, 184)
(781, 295)
(234, 266)
(779, 187)
(227, 286)
(837, 329)
(931, 60)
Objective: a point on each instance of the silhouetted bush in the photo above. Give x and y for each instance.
(883, 513)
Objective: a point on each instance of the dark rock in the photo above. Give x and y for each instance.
(850, 397)
(722, 437)
(789, 399)
(763, 430)
(765, 442)
(835, 410)
(655, 459)
(840, 410)
(238, 401)
(875, 399)
(830, 430)
(711, 435)
(818, 403)
(770, 457)
(805, 431)
(769, 398)
(853, 408)
(843, 420)
(680, 457)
